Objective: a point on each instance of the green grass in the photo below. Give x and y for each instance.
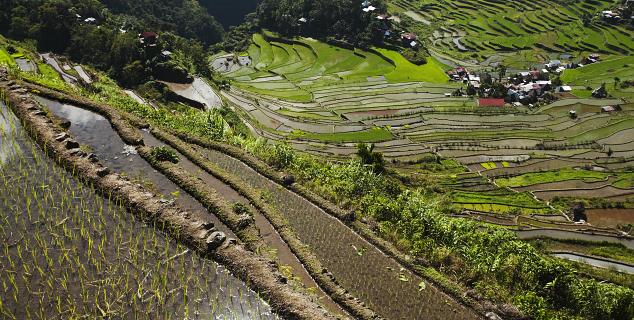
(601, 72)
(372, 135)
(624, 180)
(595, 74)
(406, 71)
(293, 95)
(488, 165)
(499, 201)
(582, 93)
(307, 115)
(614, 252)
(6, 59)
(266, 51)
(501, 208)
(47, 77)
(552, 176)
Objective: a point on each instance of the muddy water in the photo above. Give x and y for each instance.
(284, 254)
(69, 253)
(361, 268)
(26, 65)
(96, 132)
(8, 135)
(596, 262)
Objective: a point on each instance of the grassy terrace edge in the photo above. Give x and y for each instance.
(194, 233)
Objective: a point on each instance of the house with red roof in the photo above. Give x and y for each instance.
(491, 102)
(148, 38)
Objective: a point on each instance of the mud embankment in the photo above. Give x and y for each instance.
(199, 235)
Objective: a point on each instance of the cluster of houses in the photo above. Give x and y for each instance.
(624, 13)
(523, 88)
(620, 15)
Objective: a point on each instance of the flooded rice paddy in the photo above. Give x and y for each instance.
(272, 238)
(365, 271)
(96, 133)
(69, 253)
(361, 268)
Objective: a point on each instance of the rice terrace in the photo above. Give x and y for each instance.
(317, 159)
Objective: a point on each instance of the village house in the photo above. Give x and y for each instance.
(409, 39)
(457, 74)
(553, 64)
(369, 9)
(148, 38)
(610, 109)
(490, 102)
(592, 58)
(563, 89)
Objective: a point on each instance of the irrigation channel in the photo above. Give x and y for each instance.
(70, 253)
(378, 280)
(95, 131)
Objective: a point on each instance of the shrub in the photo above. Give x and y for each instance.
(417, 57)
(165, 154)
(371, 158)
(240, 208)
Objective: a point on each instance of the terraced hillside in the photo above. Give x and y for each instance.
(312, 91)
(479, 28)
(324, 99)
(450, 161)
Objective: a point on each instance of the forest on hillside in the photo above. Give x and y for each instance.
(341, 19)
(105, 33)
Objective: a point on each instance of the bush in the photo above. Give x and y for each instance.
(164, 154)
(370, 158)
(417, 57)
(240, 208)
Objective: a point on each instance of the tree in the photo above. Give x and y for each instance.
(616, 81)
(340, 19)
(371, 158)
(133, 74)
(56, 24)
(471, 90)
(501, 71)
(20, 24)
